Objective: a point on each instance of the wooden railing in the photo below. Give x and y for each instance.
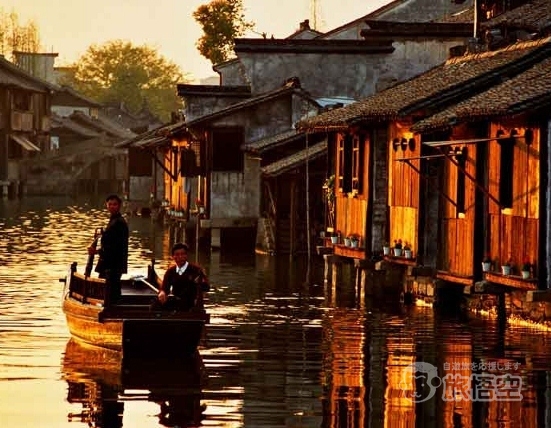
(83, 288)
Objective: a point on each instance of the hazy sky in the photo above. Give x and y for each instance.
(68, 27)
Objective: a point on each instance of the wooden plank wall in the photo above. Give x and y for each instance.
(351, 213)
(403, 185)
(514, 233)
(457, 249)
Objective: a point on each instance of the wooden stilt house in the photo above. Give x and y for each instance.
(505, 133)
(403, 189)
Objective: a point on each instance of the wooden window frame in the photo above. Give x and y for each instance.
(461, 159)
(506, 168)
(341, 165)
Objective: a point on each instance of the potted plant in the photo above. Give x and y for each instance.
(335, 237)
(386, 248)
(347, 240)
(506, 267)
(397, 248)
(355, 240)
(407, 251)
(200, 206)
(487, 263)
(526, 268)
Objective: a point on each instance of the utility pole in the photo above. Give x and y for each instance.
(315, 13)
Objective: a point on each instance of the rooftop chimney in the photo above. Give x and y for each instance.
(304, 25)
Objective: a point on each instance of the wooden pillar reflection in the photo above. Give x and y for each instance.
(400, 390)
(343, 369)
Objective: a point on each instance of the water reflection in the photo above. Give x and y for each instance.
(100, 384)
(282, 349)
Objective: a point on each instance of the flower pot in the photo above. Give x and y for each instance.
(334, 239)
(525, 274)
(486, 266)
(386, 251)
(354, 244)
(397, 252)
(408, 254)
(347, 242)
(506, 270)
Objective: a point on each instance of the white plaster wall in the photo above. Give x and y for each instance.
(197, 106)
(233, 196)
(350, 75)
(232, 74)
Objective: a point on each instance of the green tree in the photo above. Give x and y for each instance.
(119, 72)
(15, 36)
(221, 21)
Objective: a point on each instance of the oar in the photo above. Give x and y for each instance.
(94, 245)
(142, 279)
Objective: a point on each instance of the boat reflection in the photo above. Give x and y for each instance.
(101, 382)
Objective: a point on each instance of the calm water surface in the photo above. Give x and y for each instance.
(281, 351)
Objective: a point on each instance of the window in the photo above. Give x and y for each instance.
(357, 163)
(340, 156)
(226, 149)
(350, 151)
(461, 157)
(22, 101)
(506, 171)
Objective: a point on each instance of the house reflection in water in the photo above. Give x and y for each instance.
(400, 383)
(344, 401)
(403, 369)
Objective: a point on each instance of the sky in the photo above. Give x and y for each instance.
(68, 27)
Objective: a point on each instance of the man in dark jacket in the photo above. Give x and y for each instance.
(186, 281)
(113, 252)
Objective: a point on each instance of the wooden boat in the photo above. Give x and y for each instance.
(134, 325)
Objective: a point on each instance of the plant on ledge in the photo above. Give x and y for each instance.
(354, 240)
(526, 268)
(506, 267)
(397, 247)
(407, 251)
(386, 248)
(487, 263)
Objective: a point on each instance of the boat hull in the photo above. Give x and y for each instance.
(133, 326)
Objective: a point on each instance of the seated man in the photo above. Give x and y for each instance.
(184, 280)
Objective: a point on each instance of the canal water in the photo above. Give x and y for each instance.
(282, 350)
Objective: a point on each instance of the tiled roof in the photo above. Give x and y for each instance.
(80, 98)
(271, 142)
(416, 29)
(102, 124)
(456, 77)
(533, 16)
(155, 137)
(12, 75)
(214, 90)
(283, 165)
(465, 16)
(65, 122)
(141, 140)
(317, 45)
(525, 91)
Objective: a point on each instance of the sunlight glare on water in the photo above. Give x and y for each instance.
(280, 351)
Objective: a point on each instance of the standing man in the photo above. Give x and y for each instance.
(113, 252)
